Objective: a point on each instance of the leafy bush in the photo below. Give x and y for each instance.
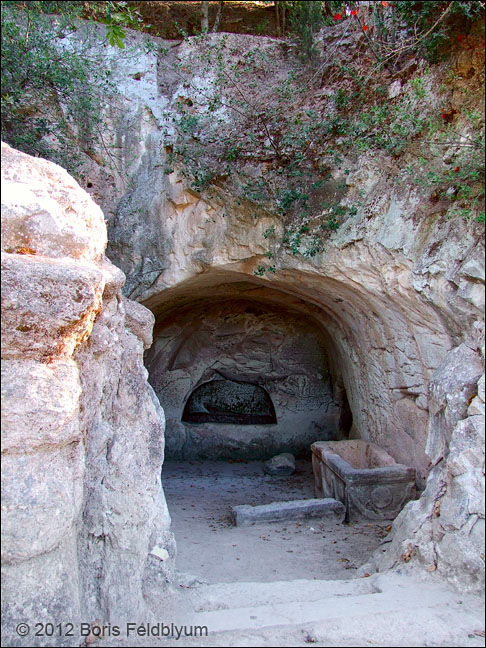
(52, 93)
(436, 22)
(306, 19)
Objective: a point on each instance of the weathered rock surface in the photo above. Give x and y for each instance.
(282, 464)
(45, 213)
(82, 432)
(395, 289)
(444, 530)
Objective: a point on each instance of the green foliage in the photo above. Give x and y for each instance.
(227, 132)
(119, 15)
(115, 35)
(287, 198)
(436, 23)
(418, 87)
(260, 271)
(459, 181)
(306, 19)
(51, 94)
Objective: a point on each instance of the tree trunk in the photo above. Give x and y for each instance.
(280, 17)
(217, 21)
(205, 17)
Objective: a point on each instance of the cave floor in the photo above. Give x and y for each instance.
(210, 549)
(291, 584)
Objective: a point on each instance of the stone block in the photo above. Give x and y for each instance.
(48, 307)
(245, 514)
(140, 321)
(45, 211)
(40, 405)
(363, 477)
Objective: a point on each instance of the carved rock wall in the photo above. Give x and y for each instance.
(249, 342)
(82, 431)
(394, 292)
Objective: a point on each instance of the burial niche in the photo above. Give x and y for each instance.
(229, 401)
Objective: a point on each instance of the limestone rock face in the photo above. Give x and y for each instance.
(392, 292)
(46, 214)
(444, 530)
(452, 388)
(82, 432)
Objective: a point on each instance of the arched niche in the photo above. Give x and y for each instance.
(242, 377)
(229, 401)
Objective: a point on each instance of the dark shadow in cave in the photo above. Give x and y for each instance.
(345, 422)
(229, 401)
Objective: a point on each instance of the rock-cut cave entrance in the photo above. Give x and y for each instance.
(245, 377)
(244, 371)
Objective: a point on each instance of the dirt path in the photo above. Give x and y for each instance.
(211, 549)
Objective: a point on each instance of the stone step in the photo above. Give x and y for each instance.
(386, 609)
(324, 610)
(399, 627)
(245, 514)
(222, 596)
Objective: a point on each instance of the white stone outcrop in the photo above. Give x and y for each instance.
(444, 530)
(398, 290)
(82, 432)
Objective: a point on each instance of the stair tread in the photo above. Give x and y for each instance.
(330, 608)
(225, 595)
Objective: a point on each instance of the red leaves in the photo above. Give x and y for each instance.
(448, 115)
(354, 13)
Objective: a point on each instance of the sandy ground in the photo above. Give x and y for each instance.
(210, 548)
(290, 584)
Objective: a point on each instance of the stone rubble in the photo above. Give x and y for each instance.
(282, 464)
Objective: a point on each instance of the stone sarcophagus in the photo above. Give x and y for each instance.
(363, 477)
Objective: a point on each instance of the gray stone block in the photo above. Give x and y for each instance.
(294, 510)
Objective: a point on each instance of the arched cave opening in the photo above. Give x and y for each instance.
(245, 371)
(244, 378)
(337, 360)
